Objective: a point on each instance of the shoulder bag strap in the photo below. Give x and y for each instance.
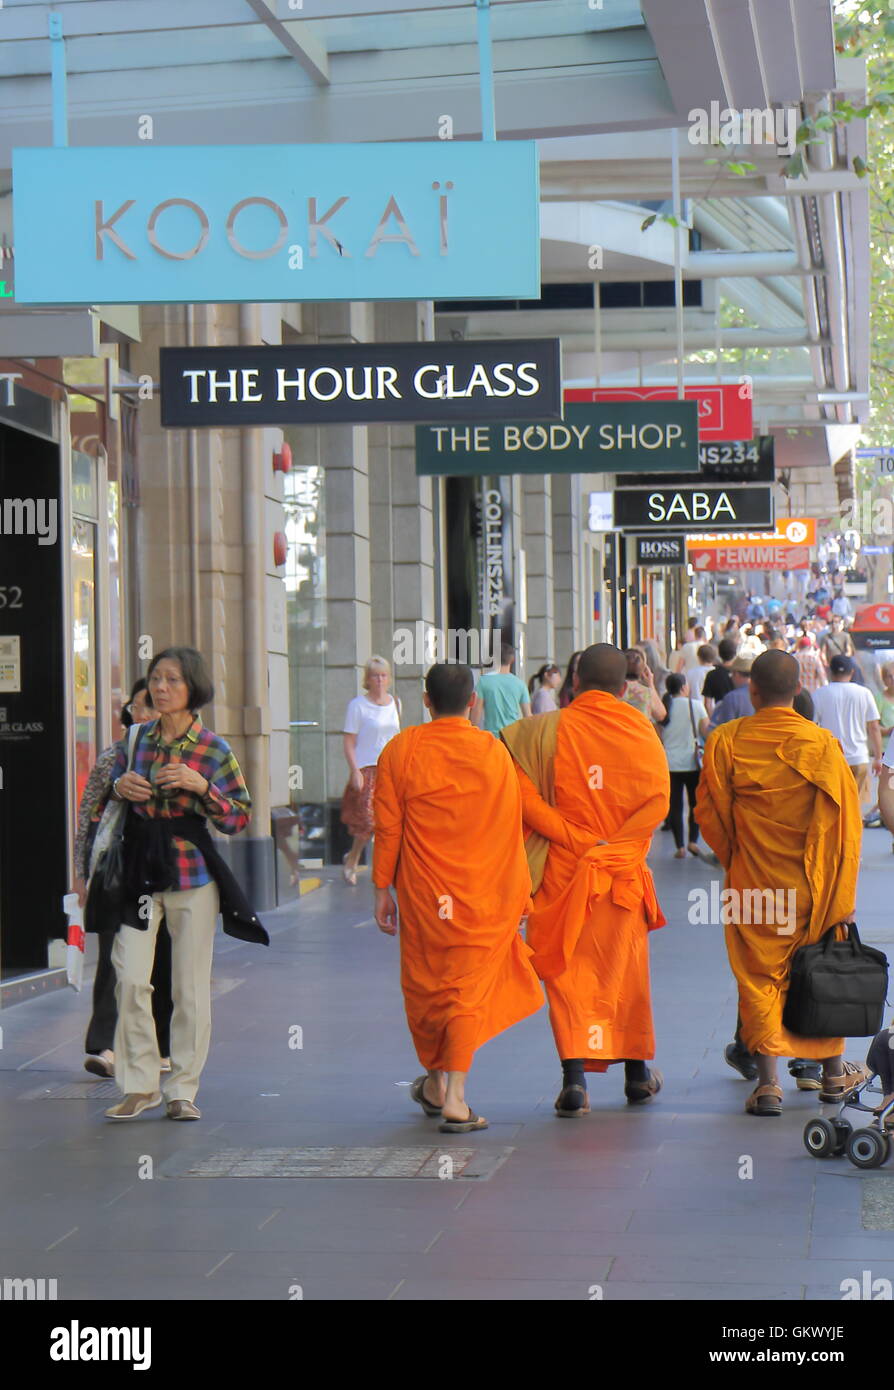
(133, 735)
(692, 720)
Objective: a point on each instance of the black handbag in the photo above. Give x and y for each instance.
(836, 988)
(106, 892)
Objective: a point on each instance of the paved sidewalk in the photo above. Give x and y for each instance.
(624, 1204)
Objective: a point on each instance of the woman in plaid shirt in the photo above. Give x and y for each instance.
(183, 775)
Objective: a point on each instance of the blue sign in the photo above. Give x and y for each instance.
(268, 223)
(876, 550)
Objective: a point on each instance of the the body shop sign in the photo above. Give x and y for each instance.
(426, 220)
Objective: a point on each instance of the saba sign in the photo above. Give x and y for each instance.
(263, 223)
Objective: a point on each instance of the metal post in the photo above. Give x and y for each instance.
(59, 78)
(678, 254)
(486, 71)
(597, 334)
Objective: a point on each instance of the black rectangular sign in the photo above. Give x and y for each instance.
(736, 461)
(693, 509)
(361, 383)
(661, 550)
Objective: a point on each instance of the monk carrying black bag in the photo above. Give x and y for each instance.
(836, 988)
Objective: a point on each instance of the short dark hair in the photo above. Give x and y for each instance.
(777, 676)
(507, 653)
(126, 716)
(194, 672)
(449, 686)
(602, 667)
(727, 648)
(706, 653)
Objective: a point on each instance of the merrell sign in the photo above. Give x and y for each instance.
(427, 220)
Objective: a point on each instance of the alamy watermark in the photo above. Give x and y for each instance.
(722, 907)
(752, 126)
(30, 516)
(422, 645)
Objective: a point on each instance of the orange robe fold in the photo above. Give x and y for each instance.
(779, 806)
(449, 837)
(603, 768)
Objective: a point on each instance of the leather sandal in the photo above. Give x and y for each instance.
(765, 1100)
(638, 1092)
(835, 1088)
(568, 1112)
(417, 1094)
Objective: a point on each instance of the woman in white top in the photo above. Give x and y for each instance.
(685, 723)
(371, 721)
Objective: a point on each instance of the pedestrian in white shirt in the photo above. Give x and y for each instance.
(682, 730)
(371, 720)
(849, 712)
(696, 675)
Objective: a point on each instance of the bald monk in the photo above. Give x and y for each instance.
(594, 786)
(778, 805)
(449, 837)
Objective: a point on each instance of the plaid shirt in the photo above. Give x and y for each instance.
(227, 805)
(813, 672)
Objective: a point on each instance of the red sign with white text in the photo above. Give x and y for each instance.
(722, 413)
(750, 557)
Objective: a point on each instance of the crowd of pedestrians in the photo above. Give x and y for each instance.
(511, 806)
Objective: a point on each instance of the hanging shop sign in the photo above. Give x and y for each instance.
(254, 223)
(873, 627)
(749, 557)
(661, 550)
(591, 439)
(686, 508)
(360, 383)
(789, 530)
(736, 461)
(723, 412)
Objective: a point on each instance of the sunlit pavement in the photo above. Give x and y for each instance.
(627, 1203)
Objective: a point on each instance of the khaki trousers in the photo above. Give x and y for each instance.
(191, 917)
(864, 783)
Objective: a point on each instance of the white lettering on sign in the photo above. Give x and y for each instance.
(697, 506)
(647, 436)
(490, 553)
(431, 382)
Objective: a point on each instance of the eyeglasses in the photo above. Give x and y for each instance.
(166, 680)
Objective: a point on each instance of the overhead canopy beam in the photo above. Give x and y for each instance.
(91, 18)
(300, 39)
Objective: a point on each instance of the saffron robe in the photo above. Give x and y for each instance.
(779, 806)
(594, 772)
(448, 834)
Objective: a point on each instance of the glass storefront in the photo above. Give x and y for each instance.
(305, 581)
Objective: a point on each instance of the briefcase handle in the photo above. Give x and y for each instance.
(853, 936)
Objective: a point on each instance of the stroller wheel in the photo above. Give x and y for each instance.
(820, 1138)
(842, 1132)
(868, 1148)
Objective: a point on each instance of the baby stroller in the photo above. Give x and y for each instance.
(870, 1145)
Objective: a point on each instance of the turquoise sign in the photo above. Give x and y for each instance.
(243, 223)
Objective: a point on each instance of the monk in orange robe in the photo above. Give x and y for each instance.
(778, 805)
(594, 785)
(448, 835)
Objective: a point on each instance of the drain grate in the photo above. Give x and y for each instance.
(438, 1163)
(74, 1090)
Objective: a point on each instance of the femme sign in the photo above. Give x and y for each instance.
(750, 557)
(360, 383)
(266, 223)
(722, 412)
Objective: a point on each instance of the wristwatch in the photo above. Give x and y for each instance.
(115, 792)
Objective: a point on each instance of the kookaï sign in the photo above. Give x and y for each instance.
(261, 223)
(689, 508)
(360, 383)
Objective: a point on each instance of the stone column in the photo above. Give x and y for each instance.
(566, 523)
(538, 547)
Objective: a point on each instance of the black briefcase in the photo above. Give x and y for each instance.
(836, 989)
